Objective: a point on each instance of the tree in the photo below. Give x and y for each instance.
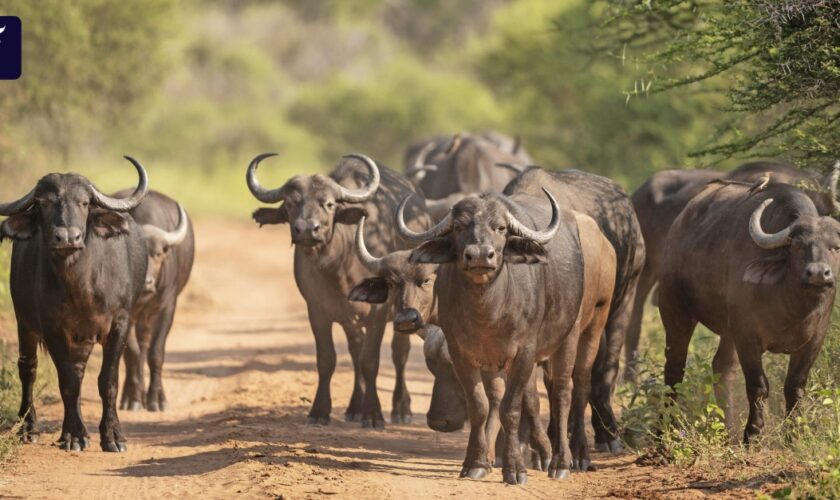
(776, 61)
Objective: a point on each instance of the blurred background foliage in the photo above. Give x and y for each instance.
(194, 89)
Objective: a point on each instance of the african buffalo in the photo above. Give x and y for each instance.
(464, 163)
(319, 209)
(170, 246)
(660, 200)
(409, 289)
(78, 267)
(757, 268)
(610, 207)
(500, 318)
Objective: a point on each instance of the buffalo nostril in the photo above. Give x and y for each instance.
(315, 228)
(491, 254)
(468, 256)
(827, 273)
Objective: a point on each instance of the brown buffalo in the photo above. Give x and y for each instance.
(319, 210)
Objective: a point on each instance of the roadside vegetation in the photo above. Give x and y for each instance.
(802, 451)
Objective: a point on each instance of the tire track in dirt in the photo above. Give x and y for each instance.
(239, 375)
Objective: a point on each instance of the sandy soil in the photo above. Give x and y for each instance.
(239, 375)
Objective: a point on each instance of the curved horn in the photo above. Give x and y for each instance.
(365, 193)
(832, 187)
(174, 237)
(762, 239)
(541, 237)
(18, 206)
(259, 192)
(420, 161)
(511, 166)
(454, 144)
(440, 228)
(124, 204)
(371, 263)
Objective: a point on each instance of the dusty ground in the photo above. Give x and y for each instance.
(239, 376)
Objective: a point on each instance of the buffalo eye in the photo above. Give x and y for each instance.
(328, 205)
(501, 229)
(427, 281)
(85, 204)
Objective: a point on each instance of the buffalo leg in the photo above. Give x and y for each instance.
(561, 403)
(155, 397)
(537, 437)
(28, 370)
(475, 465)
(325, 359)
(70, 365)
(110, 430)
(758, 387)
(634, 327)
(355, 340)
(132, 394)
(725, 366)
(510, 412)
(372, 409)
(605, 373)
(401, 405)
(799, 368)
(494, 387)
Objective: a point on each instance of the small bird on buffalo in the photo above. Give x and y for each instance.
(761, 183)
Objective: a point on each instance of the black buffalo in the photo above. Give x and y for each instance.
(759, 269)
(463, 163)
(170, 246)
(319, 210)
(78, 267)
(661, 198)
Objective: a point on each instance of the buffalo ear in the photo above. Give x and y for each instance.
(265, 216)
(524, 251)
(19, 227)
(370, 290)
(107, 223)
(766, 271)
(350, 215)
(436, 251)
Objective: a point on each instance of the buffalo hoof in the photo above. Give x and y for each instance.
(615, 446)
(512, 477)
(113, 447)
(397, 418)
(473, 473)
(318, 421)
(70, 442)
(352, 417)
(155, 406)
(559, 474)
(29, 437)
(375, 423)
(582, 465)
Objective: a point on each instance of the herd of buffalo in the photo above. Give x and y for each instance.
(498, 265)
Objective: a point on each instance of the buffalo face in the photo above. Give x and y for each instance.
(479, 235)
(411, 286)
(810, 251)
(312, 205)
(64, 207)
(159, 242)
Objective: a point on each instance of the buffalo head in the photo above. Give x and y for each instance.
(158, 244)
(812, 244)
(313, 204)
(411, 286)
(479, 235)
(63, 208)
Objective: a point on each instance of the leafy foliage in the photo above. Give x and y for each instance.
(777, 61)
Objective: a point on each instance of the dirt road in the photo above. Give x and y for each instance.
(239, 375)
